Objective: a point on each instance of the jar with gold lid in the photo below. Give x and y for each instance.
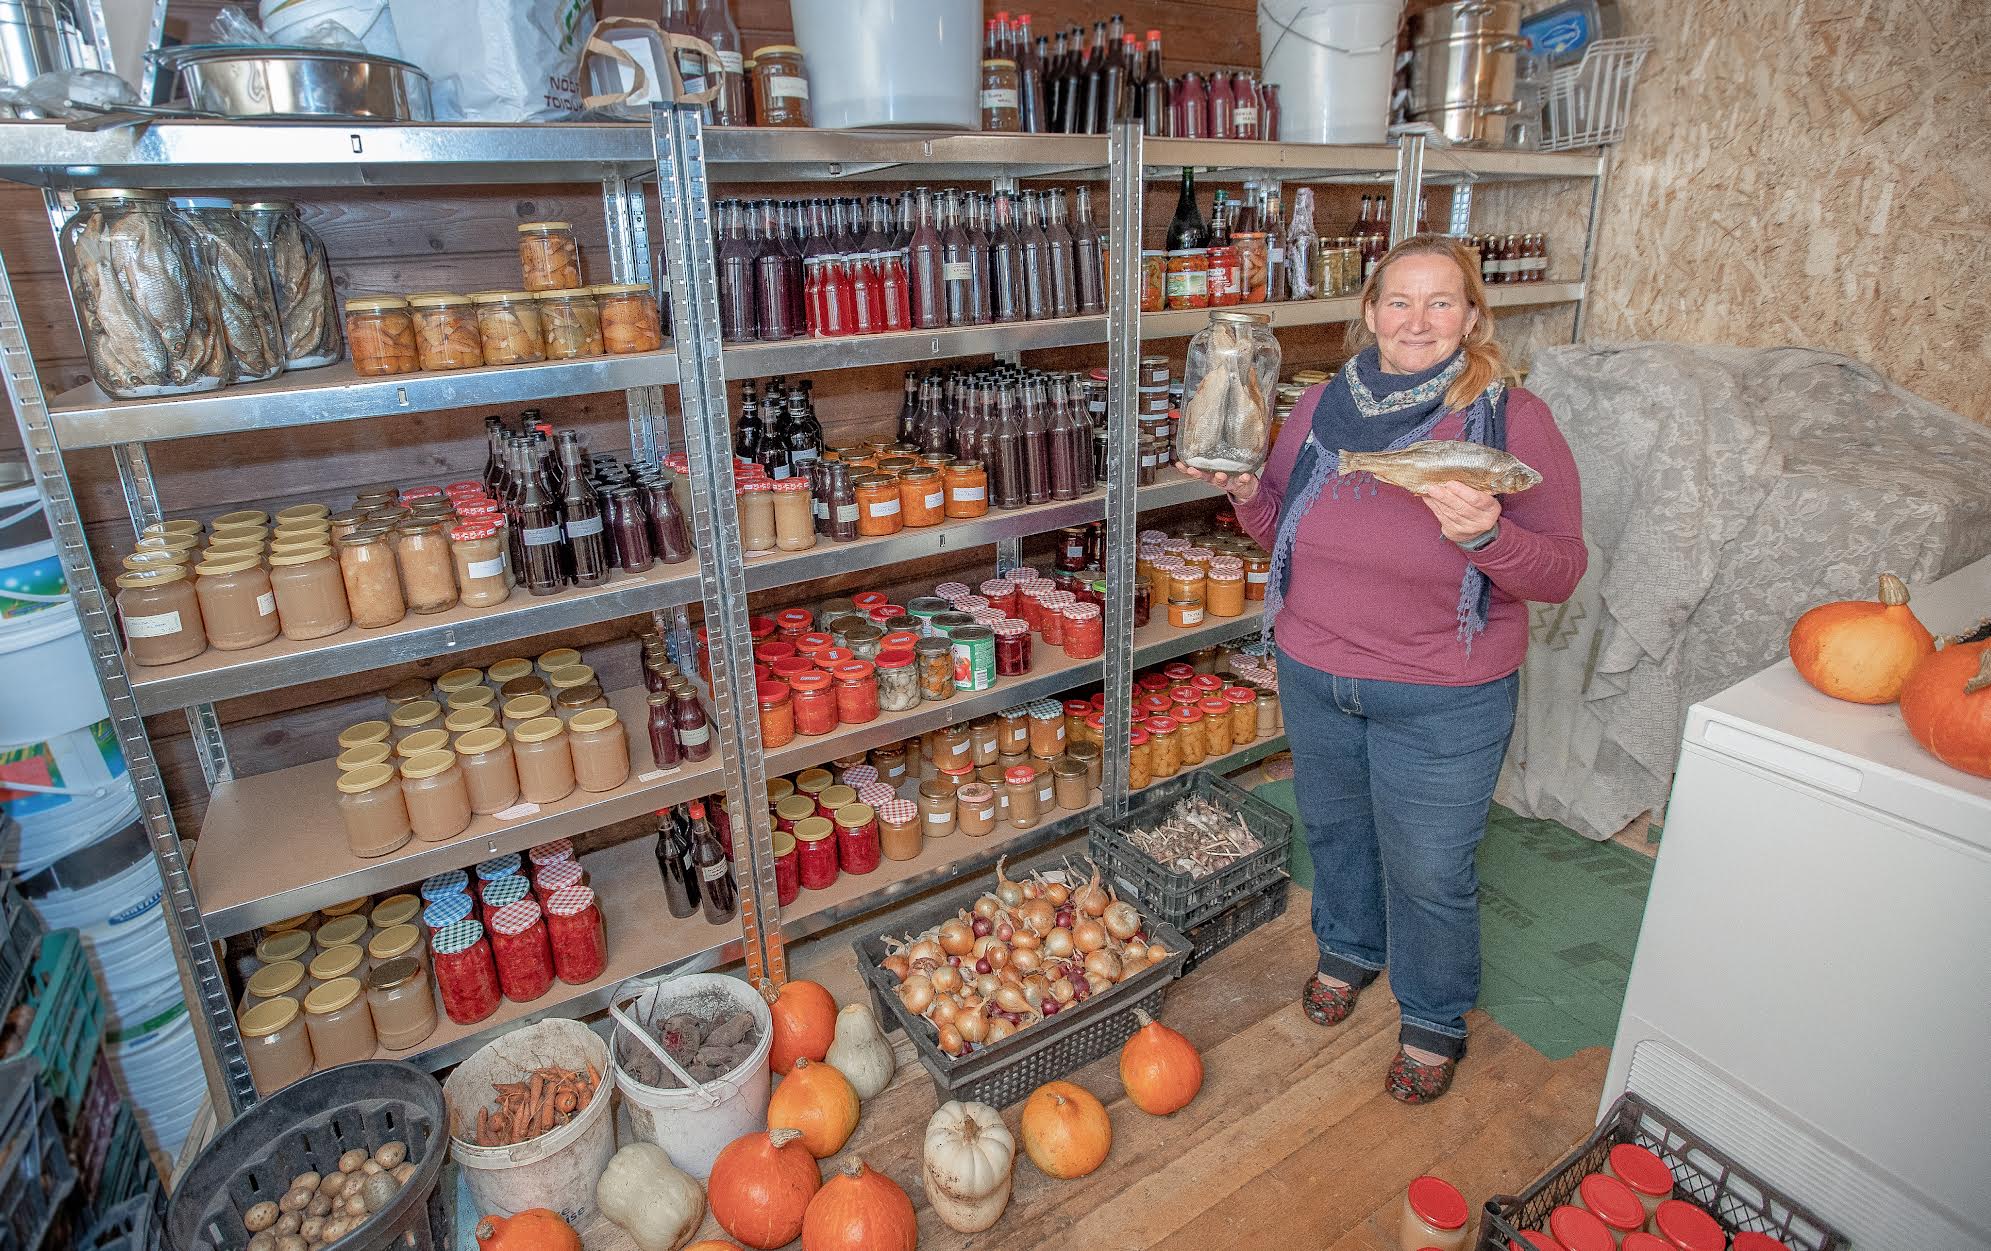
(401, 1002)
(438, 799)
(489, 774)
(421, 741)
(276, 1043)
(548, 257)
(237, 607)
(310, 594)
(446, 334)
(160, 613)
(571, 322)
(545, 762)
(372, 810)
(381, 334)
(340, 1024)
(414, 716)
(373, 580)
(630, 321)
(363, 732)
(334, 963)
(600, 749)
(428, 571)
(509, 327)
(520, 709)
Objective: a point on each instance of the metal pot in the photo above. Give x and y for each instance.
(1462, 68)
(31, 40)
(279, 82)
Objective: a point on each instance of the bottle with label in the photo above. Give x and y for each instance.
(1006, 264)
(1226, 279)
(929, 295)
(800, 434)
(1244, 107)
(713, 23)
(537, 522)
(719, 895)
(956, 268)
(746, 431)
(1088, 271)
(1185, 230)
(1058, 238)
(1030, 75)
(587, 555)
(674, 864)
(694, 731)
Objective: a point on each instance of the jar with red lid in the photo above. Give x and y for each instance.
(520, 949)
(1164, 748)
(1156, 704)
(1153, 680)
(575, 932)
(1139, 757)
(1685, 1226)
(1085, 632)
(1244, 714)
(787, 871)
(786, 668)
(857, 847)
(1217, 735)
(856, 692)
(1612, 1202)
(466, 977)
(777, 713)
(813, 643)
(898, 680)
(791, 624)
(1206, 683)
(1012, 648)
(1641, 1169)
(813, 702)
(1434, 1214)
(815, 853)
(1191, 742)
(830, 657)
(1577, 1230)
(1182, 697)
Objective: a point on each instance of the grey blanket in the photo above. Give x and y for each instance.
(1725, 490)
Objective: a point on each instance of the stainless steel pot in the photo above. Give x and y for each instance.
(299, 83)
(1462, 68)
(31, 40)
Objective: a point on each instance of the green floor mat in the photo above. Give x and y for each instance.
(1559, 918)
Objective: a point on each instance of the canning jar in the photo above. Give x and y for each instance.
(438, 799)
(890, 761)
(1164, 748)
(308, 305)
(1154, 281)
(372, 810)
(974, 809)
(1434, 1215)
(1216, 713)
(756, 505)
(899, 835)
(815, 852)
(478, 557)
(152, 320)
(508, 324)
(1088, 757)
(160, 612)
(1084, 631)
(857, 697)
(576, 935)
(878, 507)
(446, 334)
(545, 763)
(787, 870)
(857, 838)
(402, 1005)
(1191, 739)
(373, 582)
(237, 607)
(1223, 593)
(814, 702)
(935, 658)
(466, 976)
(276, 1043)
(1641, 1169)
(428, 571)
(570, 322)
(520, 709)
(1020, 783)
(1612, 1202)
(922, 497)
(629, 318)
(381, 333)
(520, 951)
(781, 88)
(1139, 758)
(1047, 729)
(967, 486)
(548, 258)
(1235, 355)
(600, 749)
(1074, 791)
(340, 1025)
(794, 515)
(777, 713)
(1001, 95)
(937, 800)
(1188, 278)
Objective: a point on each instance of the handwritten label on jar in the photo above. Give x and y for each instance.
(935, 500)
(936, 818)
(956, 271)
(713, 872)
(999, 98)
(732, 62)
(540, 536)
(584, 527)
(971, 493)
(1244, 115)
(266, 603)
(692, 738)
(1258, 577)
(1192, 616)
(486, 568)
(787, 87)
(847, 512)
(152, 626)
(884, 508)
(515, 812)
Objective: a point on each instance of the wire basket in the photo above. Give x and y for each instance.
(1588, 104)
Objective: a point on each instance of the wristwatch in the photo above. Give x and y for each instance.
(1478, 542)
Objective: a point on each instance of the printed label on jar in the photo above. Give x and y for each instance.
(935, 500)
(999, 98)
(820, 507)
(797, 459)
(584, 527)
(152, 626)
(692, 738)
(731, 62)
(846, 512)
(485, 568)
(884, 508)
(266, 603)
(971, 493)
(540, 536)
(778, 472)
(1258, 577)
(1244, 115)
(1184, 283)
(713, 872)
(787, 87)
(956, 271)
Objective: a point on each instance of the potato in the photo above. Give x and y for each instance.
(296, 1200)
(351, 1160)
(291, 1242)
(371, 1167)
(402, 1172)
(353, 1204)
(305, 1179)
(263, 1241)
(337, 1228)
(260, 1217)
(391, 1154)
(287, 1223)
(331, 1182)
(313, 1229)
(378, 1191)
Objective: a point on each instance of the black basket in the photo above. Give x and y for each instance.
(20, 943)
(1172, 894)
(35, 1172)
(134, 1225)
(1050, 1049)
(1234, 922)
(1702, 1175)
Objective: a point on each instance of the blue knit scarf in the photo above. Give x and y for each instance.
(1363, 409)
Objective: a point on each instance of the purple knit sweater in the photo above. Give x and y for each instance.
(1375, 587)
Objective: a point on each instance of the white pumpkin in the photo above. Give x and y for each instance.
(969, 1155)
(860, 1051)
(654, 1201)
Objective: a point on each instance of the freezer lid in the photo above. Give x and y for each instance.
(1776, 721)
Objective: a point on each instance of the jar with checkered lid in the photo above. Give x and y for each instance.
(576, 935)
(466, 975)
(520, 950)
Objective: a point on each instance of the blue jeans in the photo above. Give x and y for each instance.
(1394, 780)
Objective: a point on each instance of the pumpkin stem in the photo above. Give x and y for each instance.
(1982, 680)
(767, 990)
(853, 1167)
(486, 1230)
(1893, 591)
(782, 1137)
(1142, 1019)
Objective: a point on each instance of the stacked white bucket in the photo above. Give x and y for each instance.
(71, 832)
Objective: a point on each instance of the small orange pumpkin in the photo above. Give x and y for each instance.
(1946, 705)
(860, 1210)
(1861, 650)
(818, 1101)
(761, 1185)
(1161, 1069)
(1066, 1131)
(713, 1244)
(535, 1229)
(804, 1022)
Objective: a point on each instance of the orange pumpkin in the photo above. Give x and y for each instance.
(860, 1210)
(804, 1022)
(713, 1244)
(1861, 650)
(761, 1185)
(1066, 1132)
(818, 1101)
(1946, 705)
(535, 1229)
(1160, 1068)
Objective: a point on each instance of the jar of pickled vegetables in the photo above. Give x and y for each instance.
(629, 318)
(1139, 759)
(879, 510)
(967, 485)
(446, 334)
(508, 322)
(570, 322)
(381, 333)
(548, 257)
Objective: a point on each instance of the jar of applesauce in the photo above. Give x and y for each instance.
(275, 1043)
(372, 810)
(545, 762)
(373, 582)
(489, 775)
(478, 556)
(600, 749)
(438, 799)
(428, 572)
(311, 596)
(161, 616)
(237, 607)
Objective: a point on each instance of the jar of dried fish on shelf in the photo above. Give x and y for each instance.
(151, 320)
(571, 323)
(510, 326)
(382, 335)
(446, 334)
(238, 267)
(303, 281)
(1228, 386)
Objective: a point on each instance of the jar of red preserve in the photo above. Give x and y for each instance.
(856, 692)
(858, 848)
(521, 950)
(575, 932)
(465, 975)
(777, 713)
(1085, 631)
(1012, 643)
(787, 873)
(558, 877)
(815, 853)
(813, 701)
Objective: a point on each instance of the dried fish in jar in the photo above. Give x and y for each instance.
(239, 270)
(150, 318)
(303, 279)
(1229, 380)
(572, 324)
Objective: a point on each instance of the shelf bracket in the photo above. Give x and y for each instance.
(1123, 353)
(141, 492)
(1408, 187)
(627, 217)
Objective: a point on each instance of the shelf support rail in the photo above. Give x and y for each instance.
(628, 220)
(1123, 353)
(685, 197)
(1590, 241)
(215, 1018)
(1408, 188)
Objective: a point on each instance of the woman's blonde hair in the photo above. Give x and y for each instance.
(1484, 361)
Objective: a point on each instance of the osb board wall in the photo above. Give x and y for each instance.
(1810, 172)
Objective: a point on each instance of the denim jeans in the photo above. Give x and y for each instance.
(1394, 780)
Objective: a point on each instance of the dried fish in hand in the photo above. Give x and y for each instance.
(238, 264)
(1197, 837)
(150, 319)
(303, 278)
(1421, 466)
(1227, 419)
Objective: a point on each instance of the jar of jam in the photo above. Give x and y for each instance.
(600, 749)
(1139, 759)
(922, 496)
(275, 1043)
(466, 977)
(879, 510)
(1084, 631)
(813, 702)
(548, 257)
(544, 760)
(781, 88)
(630, 321)
(756, 505)
(787, 871)
(898, 827)
(1071, 787)
(1184, 613)
(373, 811)
(777, 714)
(792, 811)
(936, 807)
(974, 810)
(794, 516)
(1047, 729)
(382, 337)
(483, 574)
(521, 951)
(857, 838)
(237, 606)
(815, 853)
(857, 698)
(576, 936)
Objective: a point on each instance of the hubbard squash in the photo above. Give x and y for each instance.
(804, 1022)
(535, 1229)
(1946, 705)
(1861, 650)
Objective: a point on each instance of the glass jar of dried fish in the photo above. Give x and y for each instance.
(151, 320)
(1228, 384)
(303, 279)
(238, 267)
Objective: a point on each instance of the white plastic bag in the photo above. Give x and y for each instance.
(496, 60)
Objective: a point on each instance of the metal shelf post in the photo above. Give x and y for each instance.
(1123, 354)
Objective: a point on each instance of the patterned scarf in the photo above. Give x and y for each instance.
(1363, 409)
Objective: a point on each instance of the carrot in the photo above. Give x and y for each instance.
(521, 1121)
(594, 1077)
(566, 1101)
(483, 1125)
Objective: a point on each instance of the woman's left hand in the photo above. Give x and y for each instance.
(1463, 513)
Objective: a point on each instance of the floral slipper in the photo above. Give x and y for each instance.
(1326, 1004)
(1413, 1081)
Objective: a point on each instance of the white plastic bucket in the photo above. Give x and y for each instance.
(898, 63)
(64, 792)
(159, 1067)
(1332, 61)
(31, 577)
(370, 22)
(556, 1170)
(693, 1124)
(46, 671)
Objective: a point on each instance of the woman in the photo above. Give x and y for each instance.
(1402, 619)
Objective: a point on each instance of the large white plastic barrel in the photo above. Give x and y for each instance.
(1331, 60)
(897, 63)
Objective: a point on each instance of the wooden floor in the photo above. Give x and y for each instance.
(1292, 1142)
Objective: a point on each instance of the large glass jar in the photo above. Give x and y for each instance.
(1000, 95)
(755, 499)
(339, 1023)
(446, 334)
(922, 498)
(521, 950)
(401, 1002)
(303, 274)
(311, 596)
(571, 323)
(967, 489)
(466, 977)
(777, 713)
(275, 1043)
(508, 324)
(373, 582)
(152, 321)
(238, 265)
(436, 794)
(161, 615)
(629, 318)
(545, 763)
(878, 508)
(428, 571)
(381, 332)
(781, 88)
(1228, 385)
(482, 570)
(237, 607)
(794, 515)
(576, 935)
(600, 749)
(548, 258)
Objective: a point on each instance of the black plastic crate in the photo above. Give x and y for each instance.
(35, 1172)
(1054, 1048)
(1702, 1175)
(20, 942)
(1234, 922)
(137, 1224)
(1175, 896)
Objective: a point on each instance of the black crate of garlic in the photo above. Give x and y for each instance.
(1195, 845)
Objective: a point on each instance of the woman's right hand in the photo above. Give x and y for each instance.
(1239, 486)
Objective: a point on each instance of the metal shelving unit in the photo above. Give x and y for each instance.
(254, 868)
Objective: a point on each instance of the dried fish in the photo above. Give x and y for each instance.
(1197, 837)
(151, 321)
(1227, 420)
(303, 278)
(1421, 466)
(238, 264)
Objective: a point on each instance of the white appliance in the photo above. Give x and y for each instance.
(1812, 986)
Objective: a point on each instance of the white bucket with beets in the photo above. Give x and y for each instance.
(556, 1170)
(899, 63)
(1332, 61)
(694, 1122)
